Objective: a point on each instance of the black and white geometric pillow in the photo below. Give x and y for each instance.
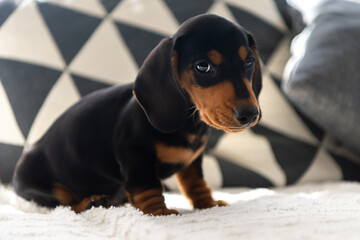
(54, 52)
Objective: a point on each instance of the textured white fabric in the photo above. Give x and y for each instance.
(322, 211)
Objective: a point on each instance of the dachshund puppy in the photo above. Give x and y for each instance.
(116, 145)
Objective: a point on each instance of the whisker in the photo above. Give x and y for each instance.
(192, 107)
(193, 114)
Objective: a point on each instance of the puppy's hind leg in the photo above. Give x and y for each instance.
(32, 179)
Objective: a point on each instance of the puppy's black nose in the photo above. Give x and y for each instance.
(246, 116)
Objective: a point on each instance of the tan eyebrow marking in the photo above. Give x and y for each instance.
(215, 57)
(243, 53)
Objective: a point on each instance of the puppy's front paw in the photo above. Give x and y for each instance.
(221, 203)
(163, 212)
(92, 201)
(97, 201)
(210, 203)
(150, 202)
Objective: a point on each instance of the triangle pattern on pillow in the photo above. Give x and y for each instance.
(89, 7)
(71, 33)
(54, 105)
(9, 130)
(7, 167)
(151, 15)
(134, 37)
(109, 5)
(302, 154)
(267, 36)
(240, 176)
(6, 9)
(27, 99)
(185, 9)
(106, 57)
(86, 86)
(29, 41)
(221, 9)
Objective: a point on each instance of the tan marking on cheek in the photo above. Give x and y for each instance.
(215, 57)
(216, 104)
(210, 97)
(171, 154)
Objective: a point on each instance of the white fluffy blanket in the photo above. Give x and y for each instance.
(322, 211)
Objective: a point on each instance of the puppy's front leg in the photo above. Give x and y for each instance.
(150, 201)
(143, 188)
(194, 187)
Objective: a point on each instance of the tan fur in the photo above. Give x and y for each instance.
(62, 194)
(215, 57)
(195, 189)
(150, 202)
(83, 205)
(243, 53)
(171, 154)
(216, 104)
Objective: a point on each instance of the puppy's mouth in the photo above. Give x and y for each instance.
(223, 122)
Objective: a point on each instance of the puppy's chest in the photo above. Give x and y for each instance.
(182, 151)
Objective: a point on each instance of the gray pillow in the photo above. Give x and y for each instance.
(322, 77)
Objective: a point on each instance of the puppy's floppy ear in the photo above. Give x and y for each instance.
(157, 90)
(257, 78)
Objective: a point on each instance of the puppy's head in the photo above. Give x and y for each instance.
(210, 63)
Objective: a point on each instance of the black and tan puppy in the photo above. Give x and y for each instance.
(116, 145)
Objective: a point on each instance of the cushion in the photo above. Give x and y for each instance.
(52, 53)
(322, 76)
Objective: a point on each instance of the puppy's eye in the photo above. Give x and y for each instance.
(249, 62)
(203, 67)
